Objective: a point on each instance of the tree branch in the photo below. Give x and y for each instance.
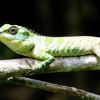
(55, 88)
(20, 67)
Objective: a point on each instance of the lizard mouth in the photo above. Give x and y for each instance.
(4, 37)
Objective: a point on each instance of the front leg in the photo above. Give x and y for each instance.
(47, 59)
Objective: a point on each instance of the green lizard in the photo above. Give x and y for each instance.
(25, 42)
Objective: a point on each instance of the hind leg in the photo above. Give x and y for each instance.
(96, 50)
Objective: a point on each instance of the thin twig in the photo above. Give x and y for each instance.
(72, 91)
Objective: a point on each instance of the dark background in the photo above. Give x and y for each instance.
(52, 18)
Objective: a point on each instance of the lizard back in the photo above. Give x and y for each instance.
(68, 46)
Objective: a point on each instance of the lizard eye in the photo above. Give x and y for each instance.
(13, 30)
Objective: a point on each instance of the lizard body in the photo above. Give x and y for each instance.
(25, 42)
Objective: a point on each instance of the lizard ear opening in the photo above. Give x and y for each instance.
(26, 33)
(13, 30)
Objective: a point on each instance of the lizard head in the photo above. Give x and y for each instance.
(15, 36)
(14, 32)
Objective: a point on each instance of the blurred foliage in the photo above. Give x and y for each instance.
(52, 18)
